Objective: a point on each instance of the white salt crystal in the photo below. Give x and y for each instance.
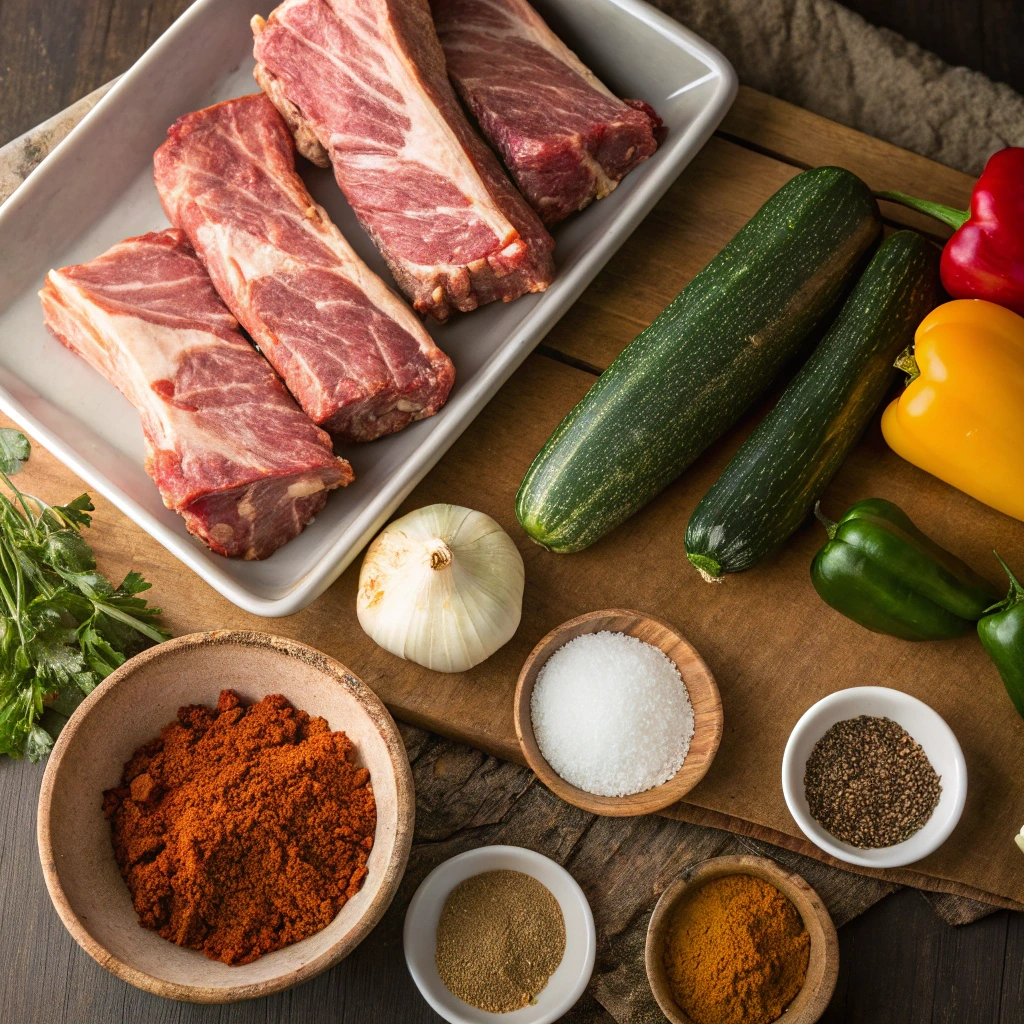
(611, 714)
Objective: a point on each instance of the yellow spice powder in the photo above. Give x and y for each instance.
(736, 952)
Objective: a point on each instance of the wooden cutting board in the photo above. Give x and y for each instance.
(774, 647)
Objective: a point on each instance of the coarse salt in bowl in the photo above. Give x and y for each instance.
(596, 736)
(612, 714)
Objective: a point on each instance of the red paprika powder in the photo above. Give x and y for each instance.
(242, 830)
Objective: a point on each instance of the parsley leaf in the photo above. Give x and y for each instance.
(14, 450)
(64, 627)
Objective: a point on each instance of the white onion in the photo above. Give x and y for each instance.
(443, 587)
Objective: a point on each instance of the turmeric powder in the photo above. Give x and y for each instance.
(736, 952)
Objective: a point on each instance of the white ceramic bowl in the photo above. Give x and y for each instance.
(924, 725)
(96, 188)
(565, 986)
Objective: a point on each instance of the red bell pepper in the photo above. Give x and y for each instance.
(985, 257)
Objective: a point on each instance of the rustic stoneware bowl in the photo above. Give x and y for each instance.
(130, 707)
(700, 683)
(822, 968)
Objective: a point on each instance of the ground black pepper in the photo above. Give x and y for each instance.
(869, 783)
(500, 938)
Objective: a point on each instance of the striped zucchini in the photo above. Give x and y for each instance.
(689, 376)
(771, 484)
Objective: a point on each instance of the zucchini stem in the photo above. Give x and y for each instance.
(710, 570)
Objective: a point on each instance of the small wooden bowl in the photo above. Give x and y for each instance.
(130, 707)
(822, 968)
(700, 684)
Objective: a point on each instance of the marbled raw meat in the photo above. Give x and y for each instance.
(566, 139)
(363, 85)
(226, 445)
(356, 358)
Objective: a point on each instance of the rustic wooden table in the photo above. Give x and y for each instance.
(900, 961)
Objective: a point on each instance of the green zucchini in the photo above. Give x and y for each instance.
(688, 377)
(771, 484)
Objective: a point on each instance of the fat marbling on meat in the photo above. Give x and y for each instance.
(226, 445)
(363, 85)
(356, 358)
(566, 139)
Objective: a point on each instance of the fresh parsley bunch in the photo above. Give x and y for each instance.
(64, 627)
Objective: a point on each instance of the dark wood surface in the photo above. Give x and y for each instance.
(900, 962)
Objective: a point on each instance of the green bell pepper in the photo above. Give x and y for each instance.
(1002, 635)
(881, 571)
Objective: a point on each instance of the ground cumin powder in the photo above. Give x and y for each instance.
(736, 952)
(242, 830)
(500, 937)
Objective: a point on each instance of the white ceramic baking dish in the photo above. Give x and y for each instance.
(96, 188)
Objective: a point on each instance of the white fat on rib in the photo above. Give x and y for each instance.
(305, 486)
(153, 352)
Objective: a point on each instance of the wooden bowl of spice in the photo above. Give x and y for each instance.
(617, 713)
(232, 794)
(741, 938)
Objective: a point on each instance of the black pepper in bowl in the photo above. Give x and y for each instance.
(869, 783)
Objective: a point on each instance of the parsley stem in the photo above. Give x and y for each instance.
(13, 607)
(129, 620)
(21, 498)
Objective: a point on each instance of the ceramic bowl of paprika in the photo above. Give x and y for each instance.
(822, 967)
(129, 708)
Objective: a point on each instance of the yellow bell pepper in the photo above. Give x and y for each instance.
(962, 418)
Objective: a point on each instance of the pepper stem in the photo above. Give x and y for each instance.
(907, 362)
(830, 527)
(709, 569)
(947, 214)
(1016, 594)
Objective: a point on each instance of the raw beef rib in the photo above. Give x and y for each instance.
(566, 139)
(356, 358)
(363, 82)
(225, 444)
